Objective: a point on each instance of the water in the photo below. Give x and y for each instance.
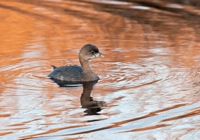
(149, 76)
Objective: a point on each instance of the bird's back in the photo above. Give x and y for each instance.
(64, 74)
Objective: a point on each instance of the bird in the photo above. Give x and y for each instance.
(74, 74)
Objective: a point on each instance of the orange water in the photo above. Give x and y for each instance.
(150, 77)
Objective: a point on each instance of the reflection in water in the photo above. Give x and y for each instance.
(92, 106)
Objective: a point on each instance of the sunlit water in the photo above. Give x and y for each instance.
(150, 77)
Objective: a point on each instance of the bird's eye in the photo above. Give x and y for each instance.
(92, 52)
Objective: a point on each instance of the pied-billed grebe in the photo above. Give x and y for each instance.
(77, 74)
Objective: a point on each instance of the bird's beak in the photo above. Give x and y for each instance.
(99, 55)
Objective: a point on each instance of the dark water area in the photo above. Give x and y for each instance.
(150, 75)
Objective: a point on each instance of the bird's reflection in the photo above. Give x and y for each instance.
(92, 106)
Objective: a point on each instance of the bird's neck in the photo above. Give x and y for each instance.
(85, 65)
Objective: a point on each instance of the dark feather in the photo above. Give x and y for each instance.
(54, 67)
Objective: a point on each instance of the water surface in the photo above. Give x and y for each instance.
(150, 77)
